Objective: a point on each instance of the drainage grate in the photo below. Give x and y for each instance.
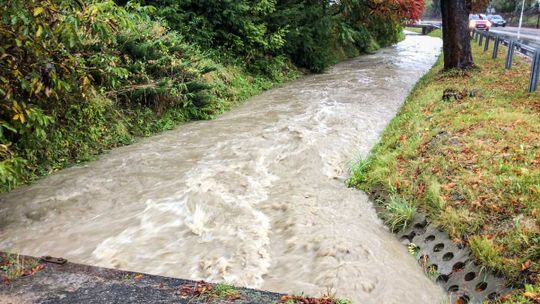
(455, 268)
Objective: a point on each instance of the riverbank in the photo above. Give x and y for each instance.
(74, 88)
(470, 162)
(436, 33)
(26, 280)
(253, 198)
(33, 280)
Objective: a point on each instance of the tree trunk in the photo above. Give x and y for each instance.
(456, 35)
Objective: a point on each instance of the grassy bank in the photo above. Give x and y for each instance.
(413, 29)
(528, 21)
(472, 163)
(435, 33)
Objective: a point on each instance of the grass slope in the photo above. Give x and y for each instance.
(435, 33)
(472, 165)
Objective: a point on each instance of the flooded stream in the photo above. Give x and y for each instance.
(255, 198)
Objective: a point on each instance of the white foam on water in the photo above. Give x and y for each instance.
(255, 198)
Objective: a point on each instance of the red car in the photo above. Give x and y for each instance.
(479, 21)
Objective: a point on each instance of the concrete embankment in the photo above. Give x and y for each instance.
(72, 283)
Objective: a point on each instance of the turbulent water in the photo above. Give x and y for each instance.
(255, 198)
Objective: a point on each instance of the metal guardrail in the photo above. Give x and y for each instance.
(513, 45)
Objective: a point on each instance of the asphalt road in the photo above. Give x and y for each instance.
(529, 36)
(526, 33)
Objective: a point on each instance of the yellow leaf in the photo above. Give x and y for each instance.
(530, 295)
(86, 82)
(39, 31)
(48, 91)
(15, 107)
(19, 117)
(38, 88)
(38, 10)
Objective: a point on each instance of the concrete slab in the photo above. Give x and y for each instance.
(75, 283)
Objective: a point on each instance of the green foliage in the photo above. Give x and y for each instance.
(238, 27)
(359, 173)
(224, 291)
(530, 295)
(311, 37)
(384, 30)
(451, 160)
(15, 266)
(81, 77)
(313, 34)
(511, 6)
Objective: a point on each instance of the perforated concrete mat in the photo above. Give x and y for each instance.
(451, 264)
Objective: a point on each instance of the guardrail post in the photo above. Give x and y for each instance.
(496, 47)
(512, 47)
(535, 72)
(510, 54)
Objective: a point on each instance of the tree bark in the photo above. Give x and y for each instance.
(456, 35)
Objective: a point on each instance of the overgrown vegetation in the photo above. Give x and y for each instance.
(471, 162)
(436, 33)
(301, 299)
(14, 266)
(80, 77)
(529, 295)
(313, 34)
(398, 213)
(209, 292)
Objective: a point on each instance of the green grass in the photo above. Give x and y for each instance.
(208, 292)
(225, 291)
(413, 29)
(472, 165)
(398, 213)
(528, 21)
(435, 33)
(530, 295)
(324, 299)
(14, 266)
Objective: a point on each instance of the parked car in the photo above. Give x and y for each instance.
(497, 20)
(479, 21)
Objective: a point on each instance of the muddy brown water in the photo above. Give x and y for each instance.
(254, 198)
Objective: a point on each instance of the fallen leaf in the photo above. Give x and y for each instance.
(526, 265)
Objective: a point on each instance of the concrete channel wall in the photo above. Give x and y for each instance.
(71, 283)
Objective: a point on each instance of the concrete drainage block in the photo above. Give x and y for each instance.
(452, 265)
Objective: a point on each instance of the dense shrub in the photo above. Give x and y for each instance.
(238, 27)
(314, 34)
(311, 37)
(78, 78)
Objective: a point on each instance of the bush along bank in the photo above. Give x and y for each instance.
(471, 162)
(80, 77)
